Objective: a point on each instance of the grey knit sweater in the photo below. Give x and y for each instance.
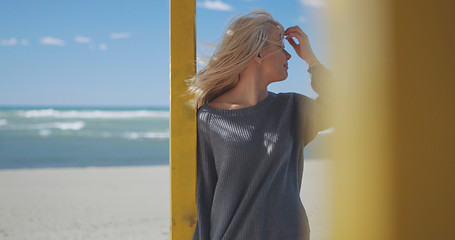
(250, 164)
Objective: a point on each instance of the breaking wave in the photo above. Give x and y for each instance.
(91, 114)
(150, 135)
(59, 125)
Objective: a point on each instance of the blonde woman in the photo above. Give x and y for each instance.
(250, 140)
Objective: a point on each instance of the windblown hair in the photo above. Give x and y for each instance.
(243, 40)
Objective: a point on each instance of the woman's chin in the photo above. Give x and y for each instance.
(280, 80)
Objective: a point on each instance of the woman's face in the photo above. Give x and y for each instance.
(274, 58)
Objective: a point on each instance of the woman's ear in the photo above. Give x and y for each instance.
(258, 58)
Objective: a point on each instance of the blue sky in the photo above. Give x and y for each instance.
(116, 53)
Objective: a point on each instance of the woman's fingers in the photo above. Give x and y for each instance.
(292, 29)
(290, 37)
(295, 29)
(295, 46)
(292, 42)
(296, 32)
(299, 35)
(302, 48)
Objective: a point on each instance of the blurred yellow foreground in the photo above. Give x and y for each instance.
(394, 153)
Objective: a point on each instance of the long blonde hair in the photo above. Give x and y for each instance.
(243, 40)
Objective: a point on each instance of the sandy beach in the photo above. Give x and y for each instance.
(116, 203)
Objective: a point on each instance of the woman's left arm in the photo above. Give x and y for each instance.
(321, 80)
(314, 114)
(315, 111)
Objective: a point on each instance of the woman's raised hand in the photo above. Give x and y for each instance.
(303, 48)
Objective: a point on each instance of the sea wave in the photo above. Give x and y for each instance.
(149, 135)
(91, 114)
(3, 122)
(75, 126)
(44, 132)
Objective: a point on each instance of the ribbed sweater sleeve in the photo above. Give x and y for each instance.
(313, 114)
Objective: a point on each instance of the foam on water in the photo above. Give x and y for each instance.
(44, 132)
(91, 114)
(36, 137)
(149, 135)
(75, 126)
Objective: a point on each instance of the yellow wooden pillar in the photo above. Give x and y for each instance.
(395, 135)
(182, 120)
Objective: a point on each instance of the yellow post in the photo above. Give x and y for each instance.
(182, 120)
(395, 96)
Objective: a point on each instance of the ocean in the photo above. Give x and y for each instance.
(58, 137)
(50, 137)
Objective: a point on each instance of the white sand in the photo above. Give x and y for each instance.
(317, 197)
(114, 203)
